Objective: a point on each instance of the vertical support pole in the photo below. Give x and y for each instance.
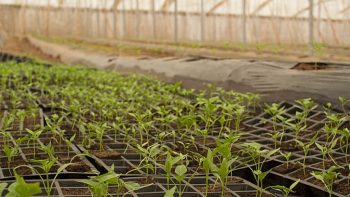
(154, 19)
(244, 22)
(124, 20)
(176, 33)
(138, 19)
(311, 26)
(202, 22)
(114, 10)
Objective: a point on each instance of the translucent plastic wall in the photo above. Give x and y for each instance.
(296, 22)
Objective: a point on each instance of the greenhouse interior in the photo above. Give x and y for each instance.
(174, 98)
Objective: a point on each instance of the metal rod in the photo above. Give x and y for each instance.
(138, 19)
(202, 21)
(176, 21)
(311, 26)
(154, 18)
(244, 22)
(124, 20)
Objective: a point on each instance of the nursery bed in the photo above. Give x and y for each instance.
(90, 123)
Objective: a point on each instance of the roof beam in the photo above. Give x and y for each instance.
(343, 11)
(308, 8)
(261, 6)
(116, 4)
(216, 6)
(166, 5)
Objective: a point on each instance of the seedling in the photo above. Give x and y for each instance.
(308, 105)
(10, 153)
(327, 178)
(20, 188)
(275, 111)
(99, 185)
(169, 164)
(287, 157)
(34, 136)
(21, 114)
(150, 155)
(306, 149)
(286, 190)
(327, 150)
(259, 157)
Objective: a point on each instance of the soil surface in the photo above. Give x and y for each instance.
(21, 47)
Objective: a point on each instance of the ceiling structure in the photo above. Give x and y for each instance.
(327, 9)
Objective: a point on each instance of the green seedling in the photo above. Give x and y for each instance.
(46, 166)
(10, 153)
(33, 137)
(327, 178)
(169, 164)
(287, 157)
(286, 190)
(306, 149)
(259, 156)
(327, 151)
(99, 185)
(20, 188)
(21, 114)
(275, 111)
(307, 105)
(150, 155)
(180, 172)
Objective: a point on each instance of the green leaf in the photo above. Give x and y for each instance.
(294, 184)
(132, 186)
(2, 187)
(180, 170)
(170, 192)
(22, 189)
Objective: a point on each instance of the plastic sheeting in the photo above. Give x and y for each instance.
(324, 9)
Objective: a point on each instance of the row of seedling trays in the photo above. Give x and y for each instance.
(125, 158)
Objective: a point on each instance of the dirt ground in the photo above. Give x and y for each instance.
(21, 47)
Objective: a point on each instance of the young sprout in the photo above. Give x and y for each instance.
(287, 157)
(21, 114)
(277, 137)
(275, 111)
(34, 136)
(20, 188)
(43, 168)
(222, 172)
(327, 150)
(150, 155)
(180, 172)
(308, 105)
(343, 101)
(99, 185)
(207, 163)
(306, 149)
(10, 153)
(259, 157)
(286, 190)
(327, 178)
(169, 164)
(49, 150)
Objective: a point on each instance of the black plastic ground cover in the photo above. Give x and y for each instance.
(5, 57)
